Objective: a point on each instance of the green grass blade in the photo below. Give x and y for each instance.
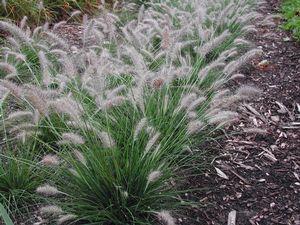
(5, 216)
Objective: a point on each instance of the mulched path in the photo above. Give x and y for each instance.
(261, 179)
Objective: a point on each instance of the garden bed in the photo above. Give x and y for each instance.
(259, 175)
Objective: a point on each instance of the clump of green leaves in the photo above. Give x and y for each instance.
(291, 12)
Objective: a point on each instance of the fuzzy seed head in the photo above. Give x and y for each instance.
(71, 138)
(154, 176)
(194, 127)
(47, 190)
(19, 115)
(106, 140)
(50, 160)
(80, 157)
(166, 217)
(64, 219)
(51, 210)
(139, 127)
(248, 92)
(152, 141)
(223, 117)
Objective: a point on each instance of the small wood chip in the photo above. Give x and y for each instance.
(232, 218)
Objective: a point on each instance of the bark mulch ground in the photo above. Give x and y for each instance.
(260, 173)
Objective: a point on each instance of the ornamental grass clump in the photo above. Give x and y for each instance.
(120, 117)
(20, 175)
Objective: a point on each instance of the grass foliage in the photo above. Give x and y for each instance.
(39, 11)
(291, 13)
(120, 119)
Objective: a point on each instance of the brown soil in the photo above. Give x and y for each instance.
(263, 170)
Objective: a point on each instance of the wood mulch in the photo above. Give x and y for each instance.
(259, 177)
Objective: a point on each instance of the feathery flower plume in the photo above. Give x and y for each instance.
(240, 41)
(235, 65)
(50, 160)
(220, 96)
(166, 217)
(9, 69)
(195, 104)
(194, 127)
(14, 43)
(88, 28)
(14, 30)
(47, 190)
(212, 44)
(71, 138)
(23, 135)
(106, 140)
(113, 102)
(22, 126)
(64, 219)
(81, 125)
(139, 127)
(247, 92)
(152, 142)
(51, 210)
(237, 76)
(187, 100)
(154, 176)
(192, 115)
(75, 13)
(67, 105)
(116, 91)
(255, 130)
(18, 56)
(165, 38)
(23, 22)
(247, 17)
(249, 29)
(80, 157)
(44, 68)
(141, 13)
(69, 68)
(223, 117)
(59, 24)
(14, 89)
(36, 99)
(19, 115)
(205, 71)
(57, 40)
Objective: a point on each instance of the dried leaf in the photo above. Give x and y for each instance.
(221, 173)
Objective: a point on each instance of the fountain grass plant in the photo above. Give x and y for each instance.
(121, 117)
